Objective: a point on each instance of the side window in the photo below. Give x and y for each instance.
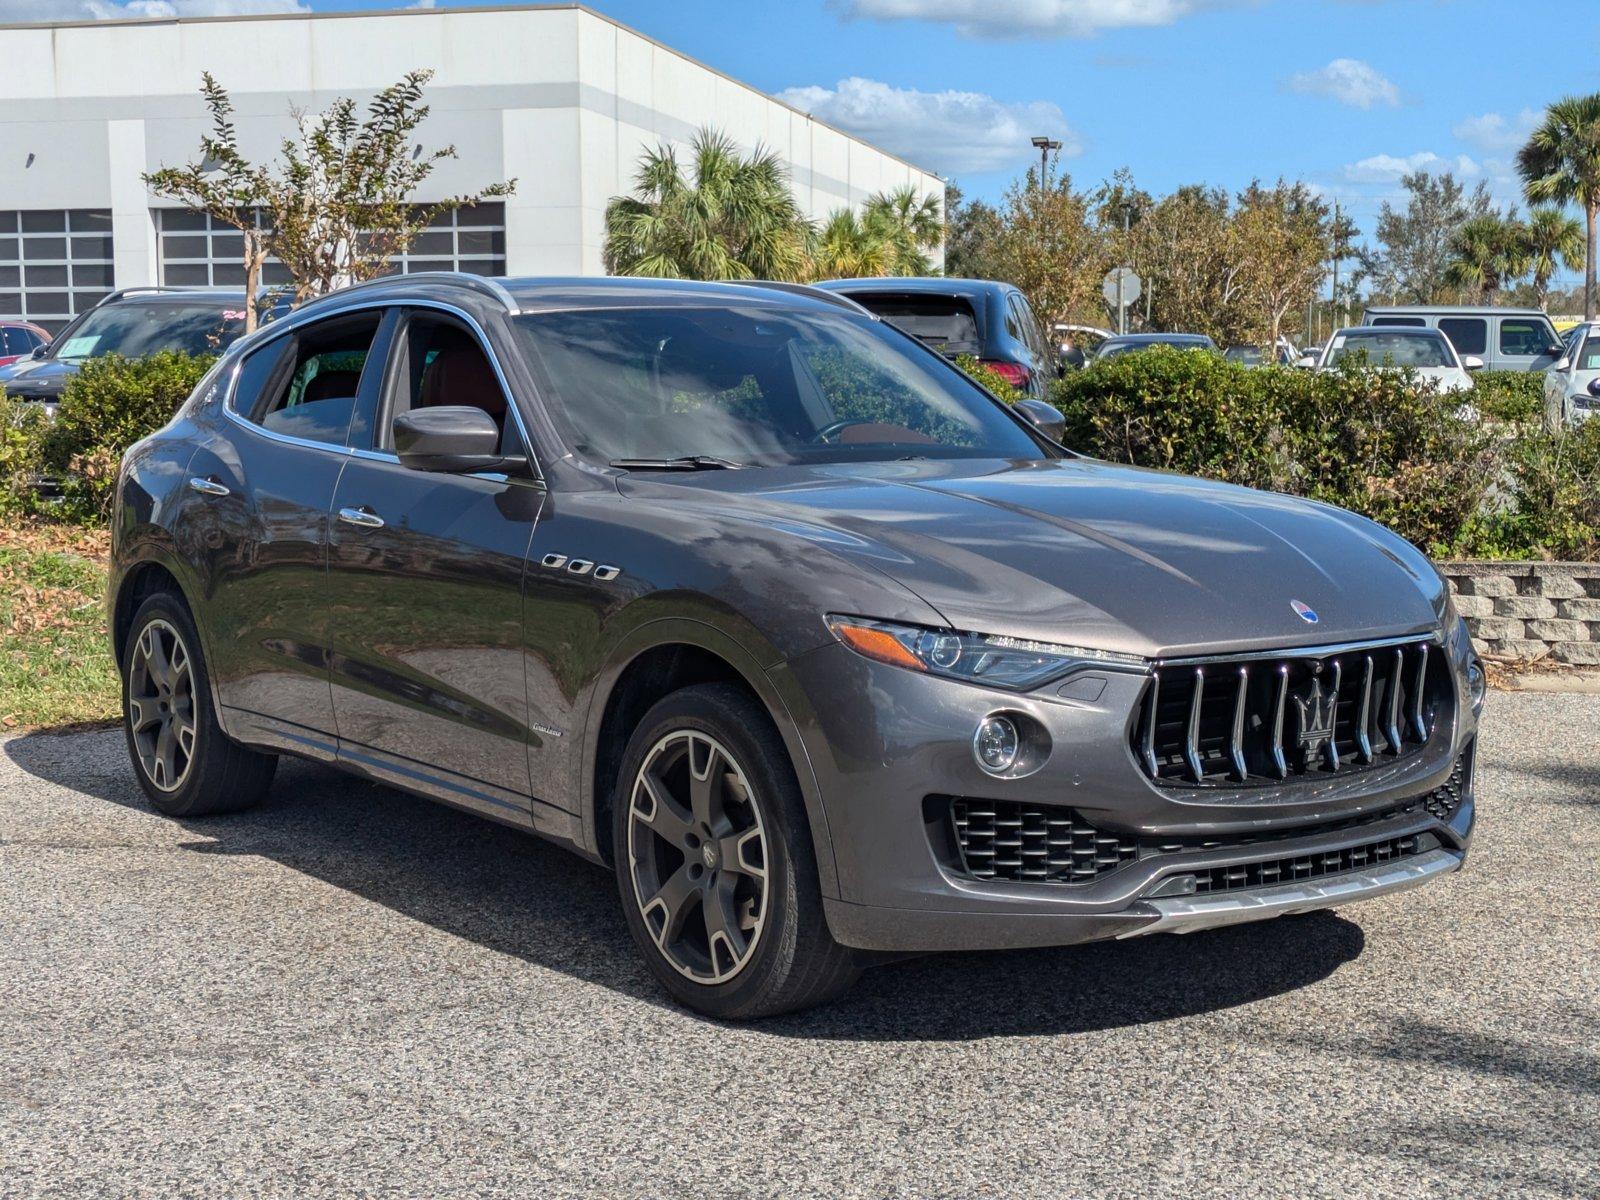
(1525, 336)
(1030, 327)
(442, 363)
(1469, 335)
(306, 385)
(1414, 322)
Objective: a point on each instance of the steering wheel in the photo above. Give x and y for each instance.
(826, 434)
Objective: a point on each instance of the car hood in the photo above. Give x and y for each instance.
(37, 377)
(1092, 554)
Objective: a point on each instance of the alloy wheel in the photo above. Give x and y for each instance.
(161, 703)
(697, 855)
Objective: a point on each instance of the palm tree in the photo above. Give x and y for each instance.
(910, 224)
(731, 217)
(850, 247)
(1486, 253)
(1551, 235)
(1561, 165)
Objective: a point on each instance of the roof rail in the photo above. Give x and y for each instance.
(478, 283)
(140, 291)
(805, 289)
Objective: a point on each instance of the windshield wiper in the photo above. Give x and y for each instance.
(689, 462)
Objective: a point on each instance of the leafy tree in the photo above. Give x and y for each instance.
(1283, 239)
(1488, 253)
(336, 208)
(1408, 265)
(1551, 236)
(1192, 265)
(1560, 164)
(731, 216)
(1046, 247)
(971, 229)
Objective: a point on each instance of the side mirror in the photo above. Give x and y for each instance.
(40, 351)
(1045, 418)
(1306, 361)
(448, 438)
(1471, 362)
(1561, 364)
(1556, 350)
(1593, 387)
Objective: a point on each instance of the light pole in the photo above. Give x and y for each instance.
(1045, 147)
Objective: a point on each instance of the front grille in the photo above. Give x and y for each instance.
(1262, 720)
(1310, 866)
(1028, 843)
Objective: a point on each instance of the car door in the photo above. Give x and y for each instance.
(1043, 367)
(425, 587)
(262, 478)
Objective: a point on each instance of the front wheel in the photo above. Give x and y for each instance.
(186, 764)
(714, 861)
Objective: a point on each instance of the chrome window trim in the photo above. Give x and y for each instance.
(286, 329)
(1324, 651)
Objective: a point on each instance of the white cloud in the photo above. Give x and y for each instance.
(1494, 133)
(1022, 18)
(1349, 81)
(1387, 168)
(56, 11)
(948, 132)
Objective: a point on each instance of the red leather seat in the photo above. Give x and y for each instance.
(460, 374)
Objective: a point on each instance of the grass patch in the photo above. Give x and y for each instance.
(55, 663)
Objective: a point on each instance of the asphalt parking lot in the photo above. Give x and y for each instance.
(351, 992)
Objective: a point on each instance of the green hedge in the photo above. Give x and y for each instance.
(1478, 481)
(106, 407)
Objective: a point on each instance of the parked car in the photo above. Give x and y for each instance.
(19, 339)
(990, 321)
(133, 323)
(1425, 351)
(1076, 344)
(826, 652)
(1569, 383)
(1251, 356)
(1126, 343)
(1504, 339)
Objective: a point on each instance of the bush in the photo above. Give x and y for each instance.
(1553, 486)
(1515, 396)
(107, 406)
(1381, 443)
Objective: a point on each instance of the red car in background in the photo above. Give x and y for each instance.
(18, 339)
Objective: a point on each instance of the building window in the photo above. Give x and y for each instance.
(197, 251)
(54, 263)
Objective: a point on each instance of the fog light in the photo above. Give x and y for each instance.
(1477, 685)
(996, 745)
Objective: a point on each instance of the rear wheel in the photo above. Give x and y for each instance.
(186, 764)
(714, 861)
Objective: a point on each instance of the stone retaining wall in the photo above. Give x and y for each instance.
(1530, 610)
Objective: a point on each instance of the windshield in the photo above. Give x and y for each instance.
(135, 330)
(1392, 348)
(1113, 349)
(757, 387)
(945, 322)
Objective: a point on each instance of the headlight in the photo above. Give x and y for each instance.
(1477, 685)
(989, 659)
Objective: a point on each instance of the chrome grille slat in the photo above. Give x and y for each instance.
(1284, 716)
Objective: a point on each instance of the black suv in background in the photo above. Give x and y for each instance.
(133, 323)
(988, 320)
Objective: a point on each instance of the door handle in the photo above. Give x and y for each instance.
(363, 516)
(207, 487)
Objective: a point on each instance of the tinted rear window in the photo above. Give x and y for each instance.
(947, 323)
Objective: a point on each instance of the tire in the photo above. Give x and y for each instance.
(166, 693)
(671, 876)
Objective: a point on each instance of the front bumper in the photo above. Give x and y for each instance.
(888, 747)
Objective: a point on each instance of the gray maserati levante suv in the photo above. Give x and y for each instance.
(827, 653)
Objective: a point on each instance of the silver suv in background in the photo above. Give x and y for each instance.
(1506, 339)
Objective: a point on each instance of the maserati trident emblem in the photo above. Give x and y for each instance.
(1304, 611)
(1314, 719)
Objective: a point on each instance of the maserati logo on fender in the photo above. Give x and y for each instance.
(1314, 719)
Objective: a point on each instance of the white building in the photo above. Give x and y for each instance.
(559, 98)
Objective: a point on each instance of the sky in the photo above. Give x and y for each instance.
(1345, 94)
